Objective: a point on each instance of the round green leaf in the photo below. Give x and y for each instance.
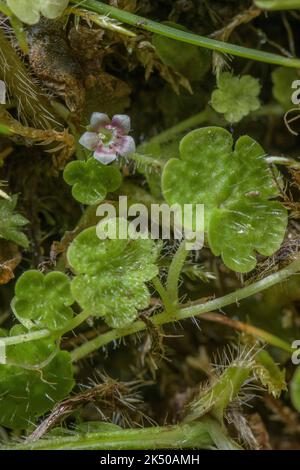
(43, 300)
(111, 275)
(236, 97)
(26, 390)
(91, 180)
(235, 186)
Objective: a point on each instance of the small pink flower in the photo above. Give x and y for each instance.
(2, 92)
(108, 139)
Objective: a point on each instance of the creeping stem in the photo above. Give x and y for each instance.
(40, 334)
(248, 329)
(205, 434)
(161, 318)
(183, 36)
(187, 312)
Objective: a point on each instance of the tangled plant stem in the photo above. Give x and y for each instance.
(165, 317)
(187, 312)
(183, 36)
(248, 329)
(205, 434)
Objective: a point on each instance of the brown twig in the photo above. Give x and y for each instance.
(242, 18)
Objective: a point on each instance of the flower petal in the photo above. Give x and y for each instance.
(2, 92)
(105, 156)
(98, 120)
(126, 146)
(122, 123)
(89, 140)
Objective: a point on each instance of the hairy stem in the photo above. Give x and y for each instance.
(289, 162)
(189, 38)
(222, 392)
(40, 334)
(195, 435)
(248, 329)
(159, 319)
(175, 270)
(145, 160)
(187, 312)
(162, 293)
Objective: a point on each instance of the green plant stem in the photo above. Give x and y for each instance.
(195, 435)
(249, 329)
(207, 115)
(24, 338)
(40, 334)
(162, 293)
(101, 21)
(145, 160)
(278, 4)
(270, 109)
(161, 318)
(290, 162)
(221, 393)
(74, 323)
(187, 312)
(183, 36)
(175, 270)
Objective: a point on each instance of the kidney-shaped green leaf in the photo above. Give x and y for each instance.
(43, 301)
(29, 388)
(236, 187)
(91, 180)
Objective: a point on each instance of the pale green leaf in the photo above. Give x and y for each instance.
(29, 11)
(236, 97)
(43, 300)
(28, 390)
(111, 275)
(91, 180)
